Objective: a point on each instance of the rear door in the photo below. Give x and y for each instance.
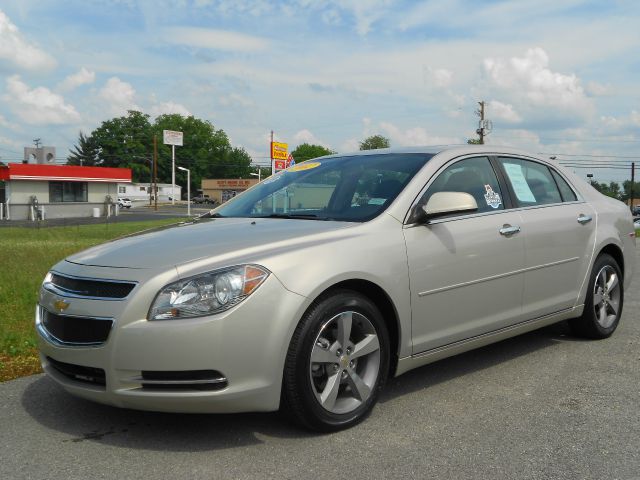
(558, 230)
(465, 270)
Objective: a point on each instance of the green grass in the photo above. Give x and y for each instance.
(26, 254)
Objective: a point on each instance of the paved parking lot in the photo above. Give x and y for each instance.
(543, 405)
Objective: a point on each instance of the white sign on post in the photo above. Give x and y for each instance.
(171, 137)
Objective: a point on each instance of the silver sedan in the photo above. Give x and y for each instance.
(309, 290)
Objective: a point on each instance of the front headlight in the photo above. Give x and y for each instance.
(208, 293)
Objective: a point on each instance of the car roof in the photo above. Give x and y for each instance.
(453, 150)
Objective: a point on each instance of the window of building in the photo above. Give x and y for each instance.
(122, 189)
(67, 192)
(143, 189)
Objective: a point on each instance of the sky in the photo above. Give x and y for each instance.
(558, 77)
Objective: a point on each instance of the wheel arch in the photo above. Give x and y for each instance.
(616, 252)
(383, 302)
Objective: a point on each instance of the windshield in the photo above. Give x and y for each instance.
(350, 189)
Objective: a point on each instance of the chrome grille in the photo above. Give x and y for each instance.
(85, 287)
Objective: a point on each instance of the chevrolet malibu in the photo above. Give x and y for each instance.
(306, 292)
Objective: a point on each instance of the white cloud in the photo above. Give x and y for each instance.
(82, 77)
(235, 99)
(530, 80)
(414, 136)
(168, 108)
(503, 111)
(215, 39)
(4, 122)
(598, 89)
(525, 139)
(17, 50)
(119, 96)
(350, 145)
(439, 77)
(305, 136)
(38, 106)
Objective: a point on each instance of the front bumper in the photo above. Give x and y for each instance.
(247, 345)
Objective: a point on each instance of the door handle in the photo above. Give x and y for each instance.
(508, 230)
(582, 219)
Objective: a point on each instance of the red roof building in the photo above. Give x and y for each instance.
(31, 191)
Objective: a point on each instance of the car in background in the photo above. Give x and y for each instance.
(203, 199)
(124, 203)
(636, 211)
(636, 222)
(308, 291)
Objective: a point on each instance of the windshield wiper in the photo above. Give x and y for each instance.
(300, 216)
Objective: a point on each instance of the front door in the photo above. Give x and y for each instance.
(465, 271)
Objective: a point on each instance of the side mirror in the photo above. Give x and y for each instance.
(444, 203)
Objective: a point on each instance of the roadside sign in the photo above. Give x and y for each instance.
(290, 161)
(280, 165)
(171, 137)
(279, 150)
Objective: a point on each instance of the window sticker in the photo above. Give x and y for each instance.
(377, 201)
(303, 166)
(492, 198)
(518, 182)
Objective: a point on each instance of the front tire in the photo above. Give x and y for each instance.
(603, 305)
(337, 362)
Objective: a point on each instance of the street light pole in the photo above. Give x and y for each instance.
(188, 189)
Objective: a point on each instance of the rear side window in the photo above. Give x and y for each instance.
(568, 195)
(531, 182)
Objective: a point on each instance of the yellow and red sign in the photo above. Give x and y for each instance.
(279, 150)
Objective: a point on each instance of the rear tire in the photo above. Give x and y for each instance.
(604, 301)
(337, 362)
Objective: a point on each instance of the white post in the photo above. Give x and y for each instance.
(173, 174)
(188, 193)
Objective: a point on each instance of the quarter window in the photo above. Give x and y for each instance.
(67, 192)
(568, 195)
(474, 176)
(531, 182)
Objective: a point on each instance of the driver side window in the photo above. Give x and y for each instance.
(474, 176)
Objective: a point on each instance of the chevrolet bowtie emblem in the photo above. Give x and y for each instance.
(60, 305)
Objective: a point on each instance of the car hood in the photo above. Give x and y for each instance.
(187, 242)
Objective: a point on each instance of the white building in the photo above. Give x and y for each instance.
(30, 191)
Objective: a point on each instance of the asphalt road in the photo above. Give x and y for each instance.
(542, 405)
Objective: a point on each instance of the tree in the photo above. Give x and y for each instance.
(306, 151)
(474, 141)
(611, 190)
(85, 153)
(206, 151)
(374, 142)
(625, 195)
(125, 141)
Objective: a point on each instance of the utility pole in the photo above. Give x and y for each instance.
(484, 126)
(480, 130)
(271, 152)
(155, 171)
(36, 142)
(633, 179)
